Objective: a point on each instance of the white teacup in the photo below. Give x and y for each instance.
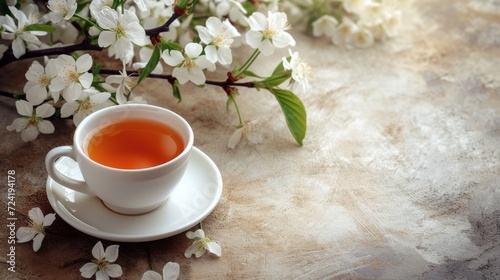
(126, 191)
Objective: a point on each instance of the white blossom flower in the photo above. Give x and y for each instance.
(17, 33)
(267, 33)
(171, 271)
(201, 244)
(218, 36)
(89, 101)
(73, 75)
(121, 30)
(158, 13)
(125, 85)
(188, 67)
(362, 38)
(392, 22)
(300, 70)
(39, 83)
(233, 9)
(343, 34)
(354, 6)
(61, 9)
(142, 5)
(247, 130)
(325, 25)
(32, 121)
(97, 5)
(36, 231)
(102, 266)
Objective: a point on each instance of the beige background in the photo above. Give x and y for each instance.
(398, 177)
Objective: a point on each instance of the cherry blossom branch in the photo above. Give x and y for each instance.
(223, 84)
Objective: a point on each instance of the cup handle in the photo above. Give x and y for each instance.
(56, 175)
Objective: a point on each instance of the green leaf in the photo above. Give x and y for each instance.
(274, 81)
(176, 91)
(169, 45)
(280, 68)
(294, 112)
(248, 73)
(40, 27)
(153, 61)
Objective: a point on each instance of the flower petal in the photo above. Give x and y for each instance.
(18, 47)
(36, 94)
(72, 92)
(86, 80)
(107, 18)
(200, 253)
(25, 234)
(83, 63)
(257, 21)
(172, 58)
(36, 215)
(111, 253)
(18, 125)
(24, 108)
(88, 270)
(205, 35)
(46, 127)
(101, 275)
(49, 219)
(57, 84)
(35, 71)
(181, 74)
(30, 133)
(171, 271)
(266, 47)
(45, 110)
(197, 76)
(235, 138)
(253, 39)
(199, 233)
(68, 109)
(37, 241)
(283, 39)
(151, 275)
(100, 97)
(191, 250)
(106, 38)
(98, 251)
(193, 50)
(214, 248)
(124, 49)
(114, 270)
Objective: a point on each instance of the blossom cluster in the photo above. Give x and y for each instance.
(103, 266)
(351, 23)
(175, 40)
(150, 38)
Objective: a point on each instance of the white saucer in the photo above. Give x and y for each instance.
(193, 200)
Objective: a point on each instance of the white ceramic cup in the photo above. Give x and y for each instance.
(126, 191)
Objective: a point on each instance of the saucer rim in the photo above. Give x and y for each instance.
(88, 229)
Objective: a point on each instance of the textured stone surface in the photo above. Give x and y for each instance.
(398, 177)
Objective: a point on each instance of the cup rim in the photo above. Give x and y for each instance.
(79, 144)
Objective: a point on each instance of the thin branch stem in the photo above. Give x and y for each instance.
(163, 28)
(85, 45)
(249, 62)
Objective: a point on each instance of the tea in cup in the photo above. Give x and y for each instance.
(131, 156)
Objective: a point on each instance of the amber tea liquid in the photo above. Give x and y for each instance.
(135, 144)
